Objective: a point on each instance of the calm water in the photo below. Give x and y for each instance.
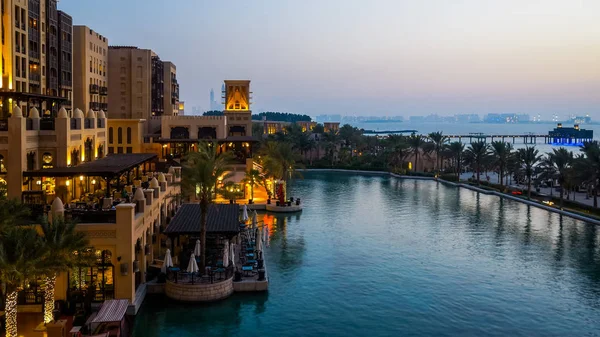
(374, 256)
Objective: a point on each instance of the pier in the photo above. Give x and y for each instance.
(528, 138)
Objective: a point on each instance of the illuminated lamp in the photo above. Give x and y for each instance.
(80, 178)
(68, 182)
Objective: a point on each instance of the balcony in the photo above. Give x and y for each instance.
(103, 91)
(34, 78)
(94, 105)
(104, 106)
(91, 216)
(94, 89)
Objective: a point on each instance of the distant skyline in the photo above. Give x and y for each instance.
(384, 57)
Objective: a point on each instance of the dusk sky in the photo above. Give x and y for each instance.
(378, 57)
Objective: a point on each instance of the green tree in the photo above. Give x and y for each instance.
(61, 241)
(457, 150)
(588, 167)
(279, 160)
(201, 172)
(22, 254)
(562, 161)
(528, 157)
(501, 152)
(476, 155)
(416, 143)
(439, 144)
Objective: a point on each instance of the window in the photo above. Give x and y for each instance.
(99, 274)
(123, 70)
(110, 135)
(120, 136)
(120, 149)
(139, 71)
(111, 150)
(129, 149)
(128, 135)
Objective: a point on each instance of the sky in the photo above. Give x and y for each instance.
(371, 58)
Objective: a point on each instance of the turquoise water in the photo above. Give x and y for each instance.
(377, 256)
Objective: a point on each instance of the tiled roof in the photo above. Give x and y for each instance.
(221, 218)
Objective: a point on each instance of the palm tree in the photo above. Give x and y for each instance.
(21, 255)
(528, 157)
(279, 160)
(501, 152)
(457, 150)
(61, 241)
(416, 143)
(439, 144)
(201, 172)
(546, 172)
(252, 179)
(563, 161)
(589, 168)
(476, 155)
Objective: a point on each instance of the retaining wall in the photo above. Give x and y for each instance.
(187, 292)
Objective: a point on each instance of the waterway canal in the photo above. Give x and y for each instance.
(378, 256)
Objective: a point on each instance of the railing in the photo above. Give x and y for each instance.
(94, 88)
(34, 77)
(103, 91)
(94, 105)
(104, 106)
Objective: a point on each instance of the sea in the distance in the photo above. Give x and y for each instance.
(466, 128)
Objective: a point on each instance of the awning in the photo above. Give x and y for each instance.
(112, 311)
(221, 219)
(109, 166)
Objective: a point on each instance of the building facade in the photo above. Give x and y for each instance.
(37, 56)
(90, 62)
(130, 77)
(32, 143)
(171, 90)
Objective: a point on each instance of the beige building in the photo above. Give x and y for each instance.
(171, 88)
(90, 76)
(33, 143)
(37, 57)
(130, 78)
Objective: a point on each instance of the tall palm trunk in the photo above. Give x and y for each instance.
(477, 169)
(596, 196)
(50, 283)
(416, 160)
(528, 186)
(203, 211)
(501, 178)
(11, 313)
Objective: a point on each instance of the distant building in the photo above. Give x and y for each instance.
(506, 118)
(171, 90)
(570, 136)
(416, 119)
(467, 118)
(581, 119)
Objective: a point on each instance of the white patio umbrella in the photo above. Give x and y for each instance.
(192, 266)
(226, 256)
(259, 240)
(168, 262)
(197, 248)
(245, 213)
(254, 220)
(231, 247)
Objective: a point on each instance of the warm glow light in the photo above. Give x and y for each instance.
(165, 146)
(68, 182)
(10, 312)
(39, 182)
(80, 178)
(49, 299)
(93, 181)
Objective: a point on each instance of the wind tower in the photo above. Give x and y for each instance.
(237, 99)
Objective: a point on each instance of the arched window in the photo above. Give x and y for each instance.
(120, 135)
(110, 135)
(128, 135)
